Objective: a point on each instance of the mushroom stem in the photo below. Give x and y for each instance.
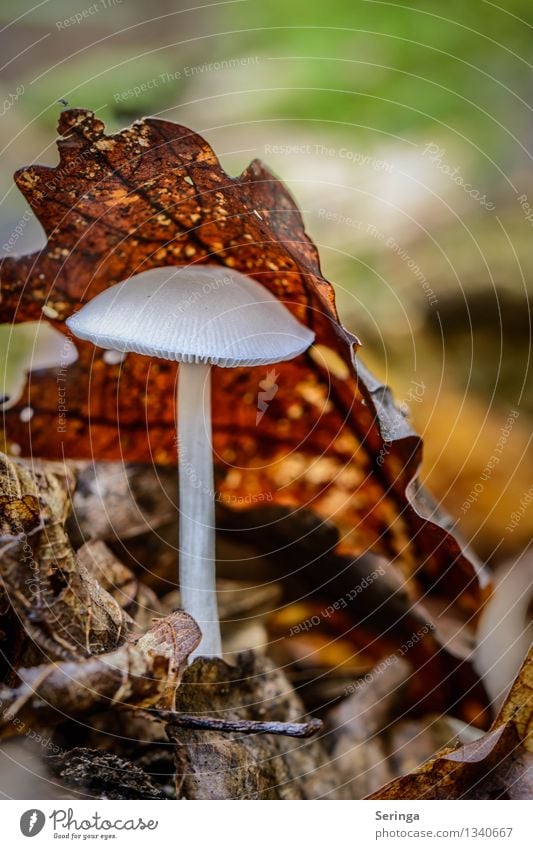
(197, 505)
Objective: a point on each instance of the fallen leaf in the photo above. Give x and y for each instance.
(142, 674)
(332, 440)
(340, 615)
(518, 706)
(135, 598)
(58, 604)
(497, 765)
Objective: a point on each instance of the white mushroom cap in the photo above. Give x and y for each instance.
(27, 347)
(205, 314)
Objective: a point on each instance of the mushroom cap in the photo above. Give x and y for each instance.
(28, 347)
(204, 314)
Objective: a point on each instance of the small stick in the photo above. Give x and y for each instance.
(240, 726)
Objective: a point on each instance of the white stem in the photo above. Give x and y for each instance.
(197, 505)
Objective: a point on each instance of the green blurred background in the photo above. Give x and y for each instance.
(404, 130)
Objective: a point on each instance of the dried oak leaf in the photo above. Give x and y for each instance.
(497, 765)
(139, 674)
(333, 441)
(59, 603)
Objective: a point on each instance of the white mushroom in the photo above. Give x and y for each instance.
(199, 317)
(26, 347)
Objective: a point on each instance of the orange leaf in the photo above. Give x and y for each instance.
(331, 440)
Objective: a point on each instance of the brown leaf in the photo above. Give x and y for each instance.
(363, 607)
(497, 765)
(155, 195)
(19, 500)
(518, 706)
(141, 674)
(136, 599)
(62, 607)
(367, 615)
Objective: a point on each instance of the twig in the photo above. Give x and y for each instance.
(240, 726)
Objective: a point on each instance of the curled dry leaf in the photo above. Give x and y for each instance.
(135, 598)
(57, 602)
(497, 765)
(518, 706)
(332, 441)
(115, 578)
(140, 674)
